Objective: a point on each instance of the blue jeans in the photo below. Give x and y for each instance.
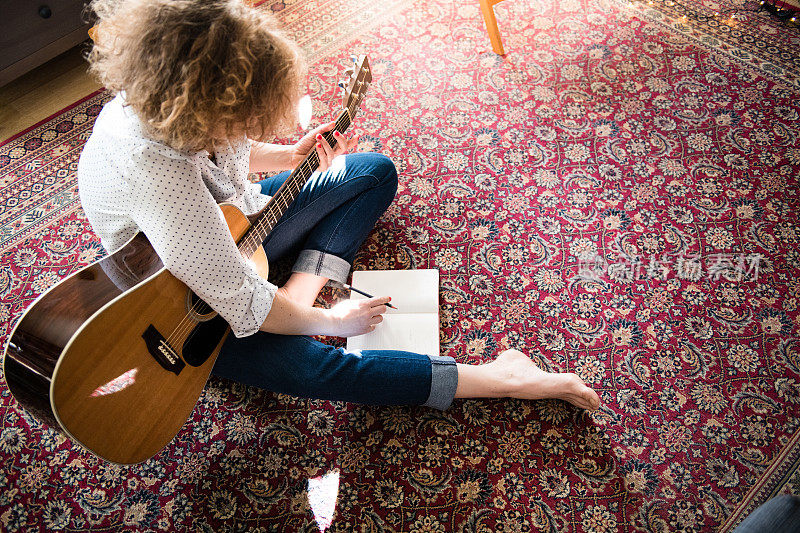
(325, 226)
(781, 514)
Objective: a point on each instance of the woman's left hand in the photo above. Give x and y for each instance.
(314, 140)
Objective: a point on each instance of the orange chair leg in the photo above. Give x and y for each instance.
(491, 26)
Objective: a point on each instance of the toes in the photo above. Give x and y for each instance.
(587, 395)
(591, 398)
(583, 403)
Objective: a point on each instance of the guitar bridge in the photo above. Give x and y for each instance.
(161, 351)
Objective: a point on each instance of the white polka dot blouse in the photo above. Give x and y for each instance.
(129, 183)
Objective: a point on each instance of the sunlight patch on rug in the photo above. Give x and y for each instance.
(322, 493)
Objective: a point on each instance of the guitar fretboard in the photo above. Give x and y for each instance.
(288, 192)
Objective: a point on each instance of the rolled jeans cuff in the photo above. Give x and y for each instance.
(319, 263)
(444, 381)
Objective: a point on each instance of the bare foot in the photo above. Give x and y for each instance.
(527, 381)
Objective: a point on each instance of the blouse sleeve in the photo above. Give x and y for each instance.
(185, 226)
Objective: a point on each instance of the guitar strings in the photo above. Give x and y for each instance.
(311, 161)
(255, 236)
(187, 324)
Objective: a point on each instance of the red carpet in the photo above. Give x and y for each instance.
(618, 196)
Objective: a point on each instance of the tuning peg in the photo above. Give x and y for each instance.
(342, 85)
(354, 59)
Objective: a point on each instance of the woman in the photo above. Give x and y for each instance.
(201, 84)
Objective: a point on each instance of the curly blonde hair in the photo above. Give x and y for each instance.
(198, 73)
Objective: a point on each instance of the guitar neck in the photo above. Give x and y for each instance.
(289, 191)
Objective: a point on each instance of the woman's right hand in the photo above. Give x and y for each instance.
(357, 317)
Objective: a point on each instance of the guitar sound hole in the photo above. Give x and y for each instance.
(198, 309)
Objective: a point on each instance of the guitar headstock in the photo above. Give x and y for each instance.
(358, 83)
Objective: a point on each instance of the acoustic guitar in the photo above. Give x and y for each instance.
(117, 354)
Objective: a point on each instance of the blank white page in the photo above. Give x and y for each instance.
(414, 325)
(416, 332)
(412, 291)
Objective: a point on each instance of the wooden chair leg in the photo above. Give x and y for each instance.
(491, 26)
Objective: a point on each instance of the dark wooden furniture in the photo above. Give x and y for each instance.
(34, 31)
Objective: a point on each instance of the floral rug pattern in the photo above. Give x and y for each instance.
(738, 27)
(613, 197)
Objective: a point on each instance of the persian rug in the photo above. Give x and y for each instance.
(740, 27)
(781, 477)
(617, 196)
(322, 26)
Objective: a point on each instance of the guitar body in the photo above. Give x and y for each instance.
(117, 354)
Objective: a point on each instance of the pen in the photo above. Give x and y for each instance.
(362, 293)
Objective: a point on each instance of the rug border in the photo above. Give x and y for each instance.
(765, 485)
(654, 16)
(51, 117)
(68, 207)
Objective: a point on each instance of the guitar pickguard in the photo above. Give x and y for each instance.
(203, 340)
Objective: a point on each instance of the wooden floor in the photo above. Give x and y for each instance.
(44, 91)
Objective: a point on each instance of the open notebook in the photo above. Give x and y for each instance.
(414, 325)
